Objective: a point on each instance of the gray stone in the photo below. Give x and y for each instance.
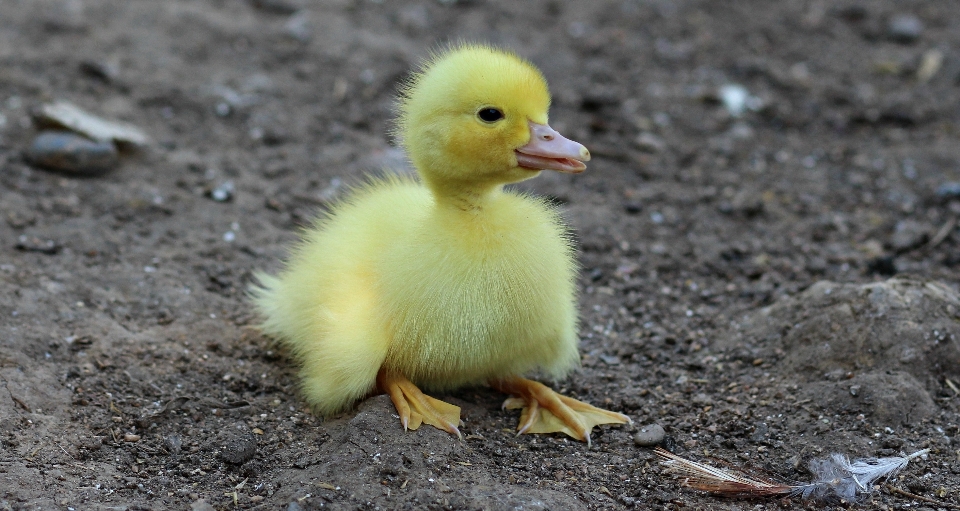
(949, 190)
(650, 142)
(908, 235)
(649, 435)
(223, 192)
(904, 28)
(69, 152)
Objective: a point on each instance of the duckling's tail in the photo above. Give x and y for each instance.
(330, 336)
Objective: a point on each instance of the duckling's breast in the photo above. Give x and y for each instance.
(470, 296)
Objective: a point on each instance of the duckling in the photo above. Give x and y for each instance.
(448, 280)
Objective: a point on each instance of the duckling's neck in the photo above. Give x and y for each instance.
(472, 198)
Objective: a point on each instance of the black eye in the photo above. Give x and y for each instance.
(490, 115)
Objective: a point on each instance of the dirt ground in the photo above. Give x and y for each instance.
(735, 263)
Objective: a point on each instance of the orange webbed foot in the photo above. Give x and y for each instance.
(545, 411)
(415, 407)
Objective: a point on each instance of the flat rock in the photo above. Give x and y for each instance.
(67, 115)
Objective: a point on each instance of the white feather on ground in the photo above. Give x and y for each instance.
(837, 477)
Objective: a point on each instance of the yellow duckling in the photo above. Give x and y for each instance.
(449, 281)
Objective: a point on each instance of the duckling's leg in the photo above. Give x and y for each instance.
(545, 411)
(415, 407)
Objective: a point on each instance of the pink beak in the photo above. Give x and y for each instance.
(549, 150)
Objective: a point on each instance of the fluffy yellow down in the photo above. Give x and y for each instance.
(449, 284)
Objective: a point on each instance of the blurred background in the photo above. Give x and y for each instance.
(742, 152)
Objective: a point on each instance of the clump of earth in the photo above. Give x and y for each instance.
(885, 349)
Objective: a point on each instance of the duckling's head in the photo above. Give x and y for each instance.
(476, 117)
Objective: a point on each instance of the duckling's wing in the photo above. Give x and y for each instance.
(326, 305)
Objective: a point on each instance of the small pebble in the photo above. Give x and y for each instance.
(930, 65)
(293, 506)
(34, 244)
(298, 27)
(949, 190)
(223, 192)
(165, 317)
(130, 437)
(649, 435)
(173, 443)
(747, 203)
(904, 28)
(60, 150)
(908, 235)
(610, 360)
(734, 98)
(102, 70)
(649, 142)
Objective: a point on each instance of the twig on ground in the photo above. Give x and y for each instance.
(943, 233)
(904, 493)
(953, 386)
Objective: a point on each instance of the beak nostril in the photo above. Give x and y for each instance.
(548, 137)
